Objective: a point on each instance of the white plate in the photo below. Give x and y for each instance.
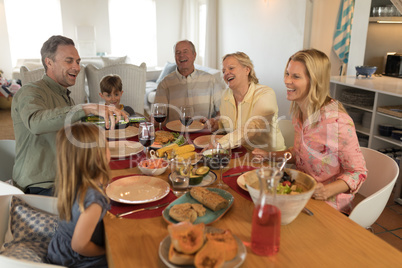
(207, 180)
(124, 148)
(124, 133)
(179, 127)
(137, 190)
(236, 262)
(203, 141)
(241, 182)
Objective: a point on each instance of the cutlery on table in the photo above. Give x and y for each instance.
(308, 212)
(119, 215)
(236, 174)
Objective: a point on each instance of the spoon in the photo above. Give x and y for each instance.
(286, 158)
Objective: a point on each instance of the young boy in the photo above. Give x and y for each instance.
(111, 90)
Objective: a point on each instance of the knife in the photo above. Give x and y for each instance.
(236, 174)
(119, 215)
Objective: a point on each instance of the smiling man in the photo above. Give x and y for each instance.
(41, 108)
(189, 86)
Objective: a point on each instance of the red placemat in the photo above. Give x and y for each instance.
(232, 181)
(117, 207)
(129, 162)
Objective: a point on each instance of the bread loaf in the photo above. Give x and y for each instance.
(209, 199)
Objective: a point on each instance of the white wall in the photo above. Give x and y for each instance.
(168, 22)
(268, 32)
(87, 13)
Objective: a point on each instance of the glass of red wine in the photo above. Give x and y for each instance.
(146, 135)
(186, 116)
(221, 157)
(159, 113)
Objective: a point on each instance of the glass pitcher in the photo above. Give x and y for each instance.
(266, 222)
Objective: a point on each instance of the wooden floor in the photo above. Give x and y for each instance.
(388, 226)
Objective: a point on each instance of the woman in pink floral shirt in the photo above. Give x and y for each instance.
(325, 144)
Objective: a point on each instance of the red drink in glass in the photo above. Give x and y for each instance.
(265, 231)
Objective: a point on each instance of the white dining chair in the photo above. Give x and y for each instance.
(381, 177)
(133, 79)
(78, 91)
(288, 131)
(6, 189)
(7, 158)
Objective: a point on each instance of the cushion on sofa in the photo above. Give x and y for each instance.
(31, 229)
(113, 61)
(169, 67)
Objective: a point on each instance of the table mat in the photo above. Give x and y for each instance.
(127, 162)
(117, 207)
(232, 181)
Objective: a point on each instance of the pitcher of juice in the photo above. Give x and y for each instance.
(266, 222)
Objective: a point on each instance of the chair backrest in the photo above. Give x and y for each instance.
(6, 189)
(78, 92)
(7, 158)
(381, 177)
(133, 78)
(288, 131)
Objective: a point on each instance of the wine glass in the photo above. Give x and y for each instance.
(159, 113)
(186, 116)
(146, 135)
(221, 158)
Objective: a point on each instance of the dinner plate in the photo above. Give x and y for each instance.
(137, 189)
(241, 180)
(236, 262)
(210, 216)
(124, 133)
(204, 141)
(179, 127)
(124, 148)
(207, 180)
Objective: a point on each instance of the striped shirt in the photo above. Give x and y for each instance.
(200, 90)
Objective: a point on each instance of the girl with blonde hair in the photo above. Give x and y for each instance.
(325, 143)
(82, 173)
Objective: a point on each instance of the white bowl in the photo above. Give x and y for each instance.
(290, 205)
(153, 171)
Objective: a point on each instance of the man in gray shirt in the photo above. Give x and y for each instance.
(41, 108)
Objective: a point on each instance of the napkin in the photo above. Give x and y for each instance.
(117, 207)
(232, 181)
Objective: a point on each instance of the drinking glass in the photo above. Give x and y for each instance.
(159, 113)
(221, 158)
(146, 135)
(180, 176)
(186, 116)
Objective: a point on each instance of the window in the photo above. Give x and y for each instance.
(133, 30)
(29, 26)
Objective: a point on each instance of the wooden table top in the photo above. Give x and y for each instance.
(327, 239)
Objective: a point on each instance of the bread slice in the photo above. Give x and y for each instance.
(209, 199)
(183, 212)
(199, 209)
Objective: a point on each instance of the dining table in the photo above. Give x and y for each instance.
(326, 239)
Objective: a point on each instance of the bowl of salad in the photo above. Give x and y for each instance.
(293, 192)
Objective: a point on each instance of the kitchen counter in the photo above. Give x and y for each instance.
(385, 84)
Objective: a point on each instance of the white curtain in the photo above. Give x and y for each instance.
(199, 26)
